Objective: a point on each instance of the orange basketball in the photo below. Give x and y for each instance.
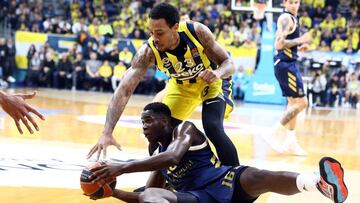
(100, 189)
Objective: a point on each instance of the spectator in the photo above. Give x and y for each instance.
(10, 65)
(328, 23)
(105, 29)
(240, 84)
(105, 73)
(47, 69)
(147, 84)
(33, 71)
(30, 54)
(114, 54)
(102, 55)
(79, 27)
(161, 79)
(338, 44)
(63, 73)
(318, 89)
(319, 3)
(305, 20)
(119, 71)
(79, 72)
(332, 91)
(340, 21)
(3, 55)
(344, 8)
(92, 81)
(126, 56)
(323, 46)
(352, 91)
(318, 16)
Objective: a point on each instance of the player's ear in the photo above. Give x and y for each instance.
(175, 27)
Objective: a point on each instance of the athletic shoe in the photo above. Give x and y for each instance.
(292, 146)
(274, 140)
(332, 180)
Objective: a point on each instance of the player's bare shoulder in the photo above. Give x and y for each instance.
(144, 57)
(285, 23)
(204, 34)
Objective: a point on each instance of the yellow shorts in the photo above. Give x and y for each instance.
(182, 99)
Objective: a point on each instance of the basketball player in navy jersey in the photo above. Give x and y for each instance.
(288, 41)
(185, 159)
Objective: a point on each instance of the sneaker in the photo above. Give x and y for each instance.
(11, 79)
(273, 140)
(292, 146)
(332, 180)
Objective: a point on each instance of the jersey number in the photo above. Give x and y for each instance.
(228, 179)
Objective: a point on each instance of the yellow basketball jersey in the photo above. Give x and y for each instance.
(184, 69)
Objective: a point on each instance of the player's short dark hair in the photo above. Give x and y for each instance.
(158, 108)
(167, 12)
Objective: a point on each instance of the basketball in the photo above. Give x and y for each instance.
(100, 189)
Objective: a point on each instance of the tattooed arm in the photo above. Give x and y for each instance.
(215, 52)
(285, 26)
(140, 64)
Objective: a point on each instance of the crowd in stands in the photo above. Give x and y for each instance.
(96, 64)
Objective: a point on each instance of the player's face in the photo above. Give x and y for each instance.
(292, 6)
(163, 35)
(152, 126)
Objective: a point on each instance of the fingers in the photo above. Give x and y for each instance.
(25, 122)
(32, 121)
(17, 123)
(104, 153)
(208, 76)
(91, 152)
(34, 111)
(99, 152)
(117, 145)
(28, 96)
(98, 173)
(94, 170)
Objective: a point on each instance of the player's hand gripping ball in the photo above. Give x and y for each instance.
(99, 189)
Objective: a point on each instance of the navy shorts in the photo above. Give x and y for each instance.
(289, 77)
(225, 190)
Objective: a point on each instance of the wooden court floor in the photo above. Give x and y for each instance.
(46, 166)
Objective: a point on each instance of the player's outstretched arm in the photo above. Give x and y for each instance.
(284, 27)
(175, 151)
(140, 64)
(216, 53)
(19, 110)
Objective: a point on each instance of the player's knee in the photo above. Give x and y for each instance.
(154, 195)
(212, 125)
(304, 103)
(148, 195)
(253, 180)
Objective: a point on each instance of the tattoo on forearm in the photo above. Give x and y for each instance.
(289, 116)
(291, 43)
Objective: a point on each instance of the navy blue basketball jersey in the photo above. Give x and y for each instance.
(290, 54)
(198, 168)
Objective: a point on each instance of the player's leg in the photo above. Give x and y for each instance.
(159, 195)
(291, 84)
(212, 119)
(330, 182)
(295, 106)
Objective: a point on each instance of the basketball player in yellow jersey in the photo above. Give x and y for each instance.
(200, 73)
